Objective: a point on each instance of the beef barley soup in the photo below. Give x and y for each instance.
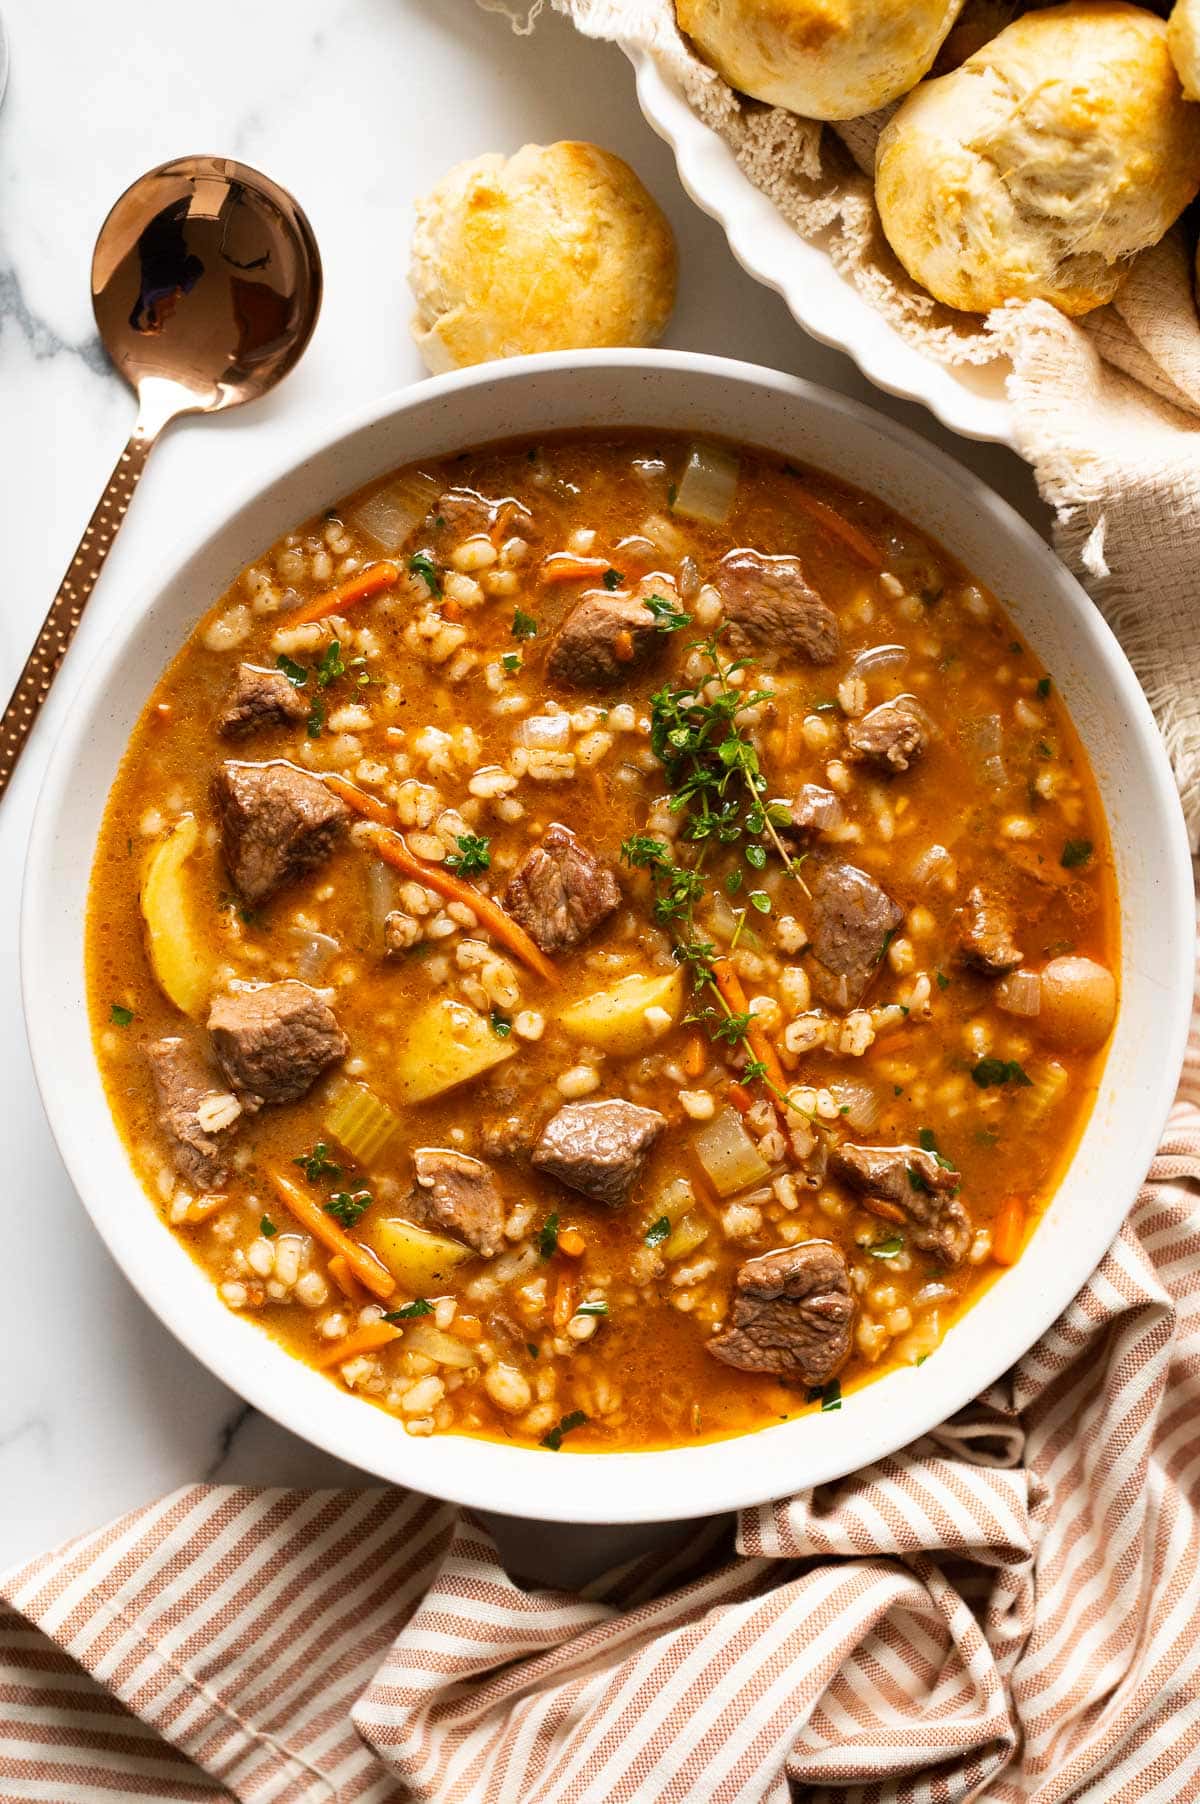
(606, 943)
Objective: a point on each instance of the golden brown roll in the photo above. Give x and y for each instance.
(1041, 166)
(1183, 41)
(556, 248)
(827, 59)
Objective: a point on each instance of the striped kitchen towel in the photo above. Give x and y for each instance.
(1009, 1608)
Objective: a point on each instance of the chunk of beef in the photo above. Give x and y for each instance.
(851, 921)
(608, 635)
(599, 1148)
(812, 811)
(985, 930)
(277, 824)
(768, 603)
(274, 1042)
(459, 1193)
(908, 1185)
(193, 1111)
(259, 698)
(890, 736)
(792, 1314)
(561, 892)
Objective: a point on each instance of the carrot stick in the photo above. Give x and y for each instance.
(392, 849)
(366, 1268)
(345, 1280)
(356, 588)
(370, 807)
(571, 1242)
(363, 1340)
(740, 1097)
(696, 1056)
(467, 1327)
(564, 1301)
(730, 985)
(565, 567)
(838, 528)
(1008, 1231)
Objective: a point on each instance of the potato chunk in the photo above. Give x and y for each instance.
(446, 1044)
(418, 1260)
(177, 955)
(615, 1019)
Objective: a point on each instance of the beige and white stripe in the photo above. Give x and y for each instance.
(1008, 1608)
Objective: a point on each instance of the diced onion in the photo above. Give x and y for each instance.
(1020, 993)
(674, 1200)
(381, 898)
(708, 484)
(361, 1123)
(432, 1342)
(1050, 1083)
(549, 732)
(983, 738)
(388, 516)
(935, 864)
(860, 1105)
(727, 1155)
(881, 657)
(316, 949)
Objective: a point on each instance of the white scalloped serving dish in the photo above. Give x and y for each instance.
(826, 303)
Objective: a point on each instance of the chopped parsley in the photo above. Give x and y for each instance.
(1015, 647)
(548, 1237)
(524, 626)
(473, 854)
(318, 1164)
(1075, 853)
(943, 981)
(668, 618)
(1044, 750)
(501, 1025)
(928, 1144)
(410, 1311)
(347, 1208)
(888, 937)
(331, 666)
(295, 673)
(989, 1072)
(554, 1438)
(120, 1016)
(887, 1249)
(612, 579)
(267, 1228)
(599, 1308)
(532, 1349)
(316, 720)
(422, 565)
(511, 662)
(829, 1396)
(658, 1231)
(1043, 687)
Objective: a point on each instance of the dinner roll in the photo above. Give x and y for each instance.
(1044, 163)
(827, 59)
(556, 248)
(1183, 41)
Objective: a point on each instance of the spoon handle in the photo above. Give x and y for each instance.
(58, 628)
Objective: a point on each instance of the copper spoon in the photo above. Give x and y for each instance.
(206, 285)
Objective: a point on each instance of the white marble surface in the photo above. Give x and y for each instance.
(357, 107)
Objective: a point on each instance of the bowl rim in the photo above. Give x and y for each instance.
(644, 1486)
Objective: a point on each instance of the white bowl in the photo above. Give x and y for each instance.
(971, 401)
(701, 394)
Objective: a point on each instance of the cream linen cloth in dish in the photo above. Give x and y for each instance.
(1009, 1609)
(1107, 408)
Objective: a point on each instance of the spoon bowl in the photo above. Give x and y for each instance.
(206, 277)
(206, 286)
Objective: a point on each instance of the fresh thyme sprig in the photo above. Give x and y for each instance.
(717, 783)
